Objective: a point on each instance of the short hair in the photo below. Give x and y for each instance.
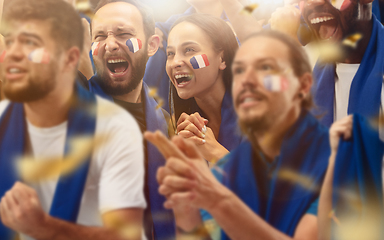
(66, 27)
(146, 14)
(298, 58)
(223, 40)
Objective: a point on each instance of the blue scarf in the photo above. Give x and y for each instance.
(163, 219)
(69, 190)
(305, 151)
(357, 172)
(364, 96)
(229, 134)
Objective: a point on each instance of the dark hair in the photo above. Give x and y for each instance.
(66, 27)
(298, 58)
(223, 40)
(146, 14)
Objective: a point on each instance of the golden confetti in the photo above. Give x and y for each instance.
(330, 52)
(332, 216)
(117, 222)
(160, 104)
(152, 92)
(247, 10)
(31, 170)
(85, 8)
(352, 40)
(292, 176)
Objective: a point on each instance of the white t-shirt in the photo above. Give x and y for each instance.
(116, 173)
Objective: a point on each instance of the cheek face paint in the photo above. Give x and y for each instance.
(134, 44)
(95, 48)
(275, 83)
(2, 56)
(39, 56)
(199, 61)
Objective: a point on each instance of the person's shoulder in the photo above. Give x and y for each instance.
(111, 115)
(3, 106)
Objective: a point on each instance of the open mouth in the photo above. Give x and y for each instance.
(325, 26)
(183, 78)
(117, 65)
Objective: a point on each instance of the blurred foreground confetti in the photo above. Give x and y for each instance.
(85, 8)
(292, 176)
(31, 170)
(352, 40)
(247, 10)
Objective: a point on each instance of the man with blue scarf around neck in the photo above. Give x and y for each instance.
(45, 112)
(352, 82)
(266, 188)
(119, 78)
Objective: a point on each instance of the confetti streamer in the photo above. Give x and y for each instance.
(2, 56)
(247, 10)
(305, 181)
(160, 104)
(134, 44)
(275, 83)
(199, 61)
(39, 55)
(31, 170)
(95, 48)
(352, 40)
(332, 216)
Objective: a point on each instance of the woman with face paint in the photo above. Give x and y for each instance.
(200, 52)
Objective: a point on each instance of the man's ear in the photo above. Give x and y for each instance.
(153, 45)
(306, 81)
(72, 58)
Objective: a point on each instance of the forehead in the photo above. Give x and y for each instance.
(118, 14)
(186, 31)
(262, 47)
(29, 27)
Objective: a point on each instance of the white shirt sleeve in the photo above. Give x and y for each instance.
(120, 160)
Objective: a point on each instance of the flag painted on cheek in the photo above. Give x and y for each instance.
(95, 48)
(2, 56)
(275, 83)
(134, 44)
(199, 61)
(39, 55)
(341, 4)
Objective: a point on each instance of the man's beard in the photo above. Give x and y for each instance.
(137, 75)
(258, 125)
(37, 86)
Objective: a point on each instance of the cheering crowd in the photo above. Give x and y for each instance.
(211, 125)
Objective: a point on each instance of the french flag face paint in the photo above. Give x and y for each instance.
(275, 83)
(2, 56)
(341, 4)
(95, 48)
(134, 44)
(199, 61)
(39, 56)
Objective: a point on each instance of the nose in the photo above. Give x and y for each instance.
(111, 43)
(250, 78)
(177, 61)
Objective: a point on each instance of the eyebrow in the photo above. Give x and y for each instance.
(26, 34)
(185, 44)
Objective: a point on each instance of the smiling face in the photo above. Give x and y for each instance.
(257, 60)
(330, 21)
(186, 41)
(25, 77)
(119, 69)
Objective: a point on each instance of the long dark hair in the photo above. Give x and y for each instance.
(224, 40)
